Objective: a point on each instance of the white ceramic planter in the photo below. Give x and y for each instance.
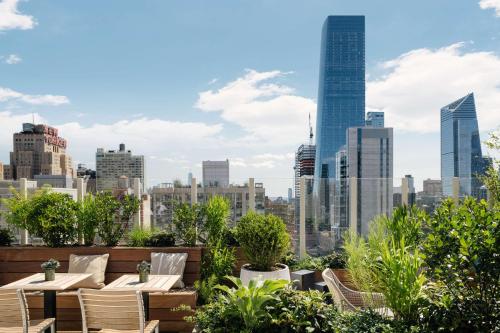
(281, 274)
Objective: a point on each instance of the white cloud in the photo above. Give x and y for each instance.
(269, 112)
(12, 59)
(491, 4)
(10, 18)
(420, 82)
(7, 94)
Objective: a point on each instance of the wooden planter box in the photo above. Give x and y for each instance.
(19, 262)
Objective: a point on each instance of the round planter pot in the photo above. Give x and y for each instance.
(50, 274)
(280, 274)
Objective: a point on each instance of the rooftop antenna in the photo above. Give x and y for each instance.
(33, 117)
(310, 131)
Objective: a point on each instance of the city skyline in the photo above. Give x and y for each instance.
(110, 93)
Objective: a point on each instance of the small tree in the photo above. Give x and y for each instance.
(88, 220)
(187, 222)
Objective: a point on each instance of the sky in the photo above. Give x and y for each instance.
(185, 81)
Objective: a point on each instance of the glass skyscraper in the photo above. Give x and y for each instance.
(461, 154)
(341, 99)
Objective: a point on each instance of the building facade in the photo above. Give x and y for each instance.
(370, 162)
(341, 100)
(461, 154)
(375, 119)
(215, 173)
(164, 197)
(112, 164)
(38, 150)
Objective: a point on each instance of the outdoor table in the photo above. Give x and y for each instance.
(36, 282)
(156, 283)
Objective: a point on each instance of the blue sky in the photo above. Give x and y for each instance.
(182, 81)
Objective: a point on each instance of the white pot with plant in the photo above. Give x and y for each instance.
(264, 240)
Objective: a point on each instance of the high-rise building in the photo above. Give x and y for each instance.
(405, 194)
(290, 195)
(341, 100)
(215, 173)
(38, 150)
(374, 119)
(461, 154)
(370, 161)
(304, 164)
(112, 164)
(432, 187)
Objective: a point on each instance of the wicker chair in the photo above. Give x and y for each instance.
(351, 300)
(14, 314)
(114, 312)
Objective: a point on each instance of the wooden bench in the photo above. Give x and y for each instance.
(20, 262)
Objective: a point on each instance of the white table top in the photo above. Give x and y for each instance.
(63, 281)
(156, 283)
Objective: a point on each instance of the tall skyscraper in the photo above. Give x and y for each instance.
(370, 160)
(341, 99)
(374, 119)
(215, 173)
(111, 165)
(38, 150)
(461, 154)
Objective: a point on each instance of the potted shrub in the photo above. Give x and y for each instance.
(264, 240)
(49, 268)
(144, 268)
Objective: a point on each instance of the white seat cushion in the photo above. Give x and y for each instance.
(169, 264)
(94, 264)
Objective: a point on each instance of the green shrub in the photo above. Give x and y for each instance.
(161, 239)
(6, 237)
(334, 260)
(48, 215)
(187, 221)
(264, 240)
(114, 215)
(88, 219)
(139, 237)
(462, 253)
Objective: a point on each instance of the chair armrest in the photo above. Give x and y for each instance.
(151, 326)
(41, 325)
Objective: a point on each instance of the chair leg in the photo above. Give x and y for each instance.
(157, 329)
(53, 328)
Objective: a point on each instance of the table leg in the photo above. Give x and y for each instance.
(145, 301)
(49, 305)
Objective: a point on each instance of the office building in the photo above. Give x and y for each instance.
(112, 164)
(215, 173)
(370, 161)
(431, 196)
(405, 194)
(374, 119)
(433, 187)
(341, 100)
(304, 164)
(461, 154)
(165, 196)
(89, 177)
(38, 150)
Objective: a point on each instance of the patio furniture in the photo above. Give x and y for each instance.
(36, 282)
(156, 283)
(351, 300)
(14, 314)
(114, 312)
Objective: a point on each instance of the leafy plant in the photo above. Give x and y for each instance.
(6, 237)
(88, 219)
(250, 302)
(161, 239)
(144, 266)
(49, 215)
(264, 240)
(114, 216)
(51, 264)
(139, 237)
(187, 221)
(462, 253)
(335, 260)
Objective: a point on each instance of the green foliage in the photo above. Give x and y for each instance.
(187, 221)
(334, 260)
(463, 257)
(161, 239)
(250, 302)
(219, 259)
(390, 262)
(88, 219)
(492, 178)
(51, 264)
(49, 215)
(6, 237)
(264, 240)
(139, 237)
(114, 216)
